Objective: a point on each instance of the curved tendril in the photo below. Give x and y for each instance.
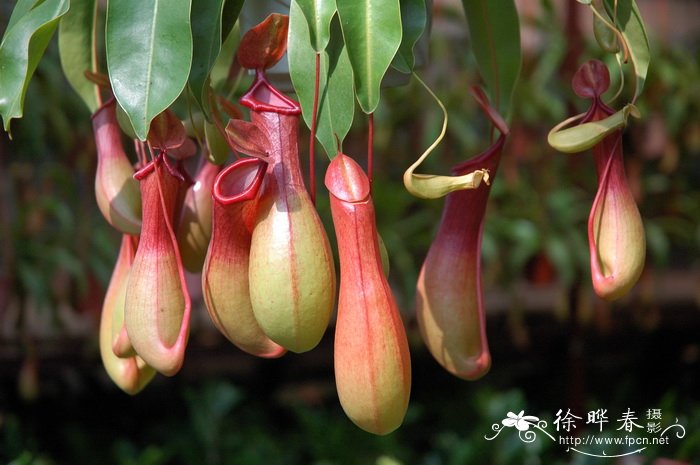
(616, 31)
(568, 121)
(621, 57)
(428, 186)
(622, 80)
(443, 131)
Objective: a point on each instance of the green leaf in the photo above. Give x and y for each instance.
(22, 46)
(629, 20)
(413, 21)
(76, 35)
(206, 44)
(220, 70)
(318, 14)
(207, 26)
(495, 35)
(21, 8)
(372, 33)
(336, 99)
(149, 54)
(229, 17)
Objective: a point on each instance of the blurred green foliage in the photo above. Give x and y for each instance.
(223, 424)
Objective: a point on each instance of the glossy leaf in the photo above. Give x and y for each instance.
(372, 32)
(208, 20)
(318, 14)
(336, 99)
(25, 40)
(220, 71)
(495, 35)
(76, 41)
(413, 21)
(206, 43)
(604, 34)
(229, 17)
(21, 8)
(629, 20)
(149, 54)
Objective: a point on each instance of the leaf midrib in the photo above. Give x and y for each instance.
(149, 70)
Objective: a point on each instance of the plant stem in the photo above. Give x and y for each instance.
(370, 150)
(94, 58)
(312, 138)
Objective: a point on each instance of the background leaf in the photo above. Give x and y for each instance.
(629, 20)
(207, 30)
(149, 54)
(229, 17)
(75, 45)
(21, 8)
(413, 20)
(372, 33)
(336, 99)
(318, 14)
(23, 45)
(495, 35)
(220, 70)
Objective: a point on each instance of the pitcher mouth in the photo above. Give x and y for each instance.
(239, 181)
(262, 96)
